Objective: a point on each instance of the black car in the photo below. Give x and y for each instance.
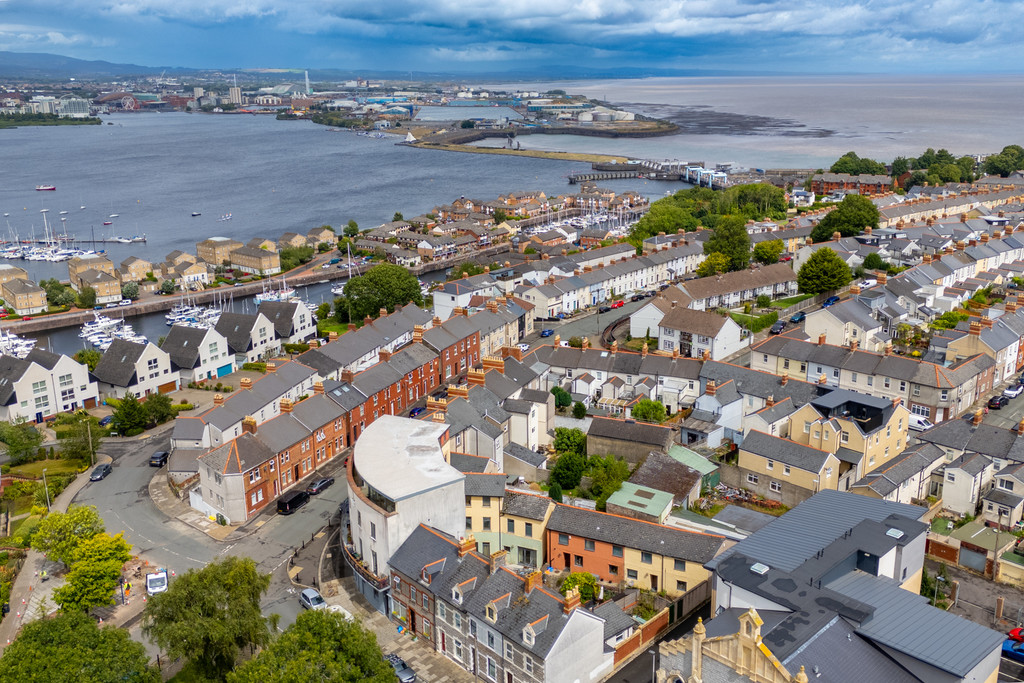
(158, 459)
(604, 309)
(104, 421)
(101, 471)
(997, 402)
(778, 327)
(319, 485)
(637, 297)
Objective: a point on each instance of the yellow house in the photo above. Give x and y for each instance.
(80, 264)
(484, 494)
(524, 518)
(864, 432)
(134, 269)
(9, 272)
(256, 261)
(24, 296)
(216, 250)
(784, 470)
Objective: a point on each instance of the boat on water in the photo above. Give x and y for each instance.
(108, 222)
(225, 217)
(114, 215)
(63, 213)
(284, 293)
(196, 213)
(45, 188)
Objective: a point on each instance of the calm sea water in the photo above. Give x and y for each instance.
(154, 170)
(806, 122)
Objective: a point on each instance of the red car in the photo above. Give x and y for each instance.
(618, 304)
(786, 258)
(27, 317)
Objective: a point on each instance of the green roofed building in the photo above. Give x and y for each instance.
(640, 502)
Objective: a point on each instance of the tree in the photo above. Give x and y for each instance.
(466, 268)
(398, 216)
(562, 397)
(900, 165)
(167, 287)
(130, 290)
(499, 216)
(555, 492)
(730, 237)
(22, 440)
(319, 646)
(158, 408)
(855, 165)
(576, 342)
(81, 437)
(86, 297)
(60, 533)
(874, 262)
(579, 411)
(570, 441)
(88, 357)
(467, 124)
(352, 229)
(582, 581)
(849, 218)
(647, 410)
(323, 311)
(763, 301)
(824, 271)
(70, 646)
(207, 615)
(568, 470)
(714, 264)
(95, 573)
(769, 252)
(383, 286)
(130, 417)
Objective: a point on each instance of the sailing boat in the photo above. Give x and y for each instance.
(409, 137)
(339, 289)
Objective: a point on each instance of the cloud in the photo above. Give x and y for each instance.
(27, 37)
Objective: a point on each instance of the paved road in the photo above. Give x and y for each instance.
(587, 324)
(124, 504)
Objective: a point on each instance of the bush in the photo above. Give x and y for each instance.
(763, 301)
(255, 367)
(579, 411)
(296, 348)
(584, 582)
(761, 322)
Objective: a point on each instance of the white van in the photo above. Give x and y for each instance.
(918, 423)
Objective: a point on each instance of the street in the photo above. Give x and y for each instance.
(123, 502)
(588, 324)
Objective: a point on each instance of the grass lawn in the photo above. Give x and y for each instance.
(325, 327)
(27, 523)
(941, 525)
(35, 469)
(786, 303)
(742, 318)
(22, 505)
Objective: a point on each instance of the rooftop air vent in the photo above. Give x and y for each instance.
(894, 533)
(759, 569)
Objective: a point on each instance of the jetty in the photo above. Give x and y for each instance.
(678, 171)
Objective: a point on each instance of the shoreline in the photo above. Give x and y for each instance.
(534, 153)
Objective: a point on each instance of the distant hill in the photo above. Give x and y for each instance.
(43, 65)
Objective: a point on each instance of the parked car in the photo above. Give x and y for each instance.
(830, 301)
(618, 304)
(786, 258)
(525, 348)
(105, 420)
(870, 282)
(101, 471)
(778, 327)
(604, 309)
(1013, 391)
(1014, 650)
(158, 459)
(402, 670)
(664, 287)
(547, 332)
(440, 393)
(310, 598)
(637, 297)
(918, 423)
(798, 317)
(997, 402)
(319, 485)
(416, 412)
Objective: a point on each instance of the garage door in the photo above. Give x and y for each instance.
(224, 370)
(972, 560)
(167, 388)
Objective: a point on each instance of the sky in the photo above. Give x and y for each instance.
(779, 36)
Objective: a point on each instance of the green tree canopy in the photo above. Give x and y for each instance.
(730, 237)
(562, 397)
(130, 416)
(88, 357)
(81, 437)
(168, 287)
(130, 290)
(849, 218)
(555, 492)
(570, 441)
(874, 262)
(383, 286)
(351, 229)
(158, 408)
(469, 268)
(319, 646)
(767, 253)
(855, 165)
(95, 573)
(70, 646)
(824, 271)
(207, 615)
(584, 582)
(86, 297)
(900, 165)
(714, 264)
(647, 410)
(398, 216)
(579, 411)
(60, 533)
(568, 470)
(22, 440)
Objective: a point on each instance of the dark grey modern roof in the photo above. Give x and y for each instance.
(282, 432)
(183, 345)
(634, 533)
(835, 654)
(117, 366)
(281, 314)
(466, 463)
(343, 393)
(905, 622)
(962, 435)
(785, 451)
(526, 505)
(790, 540)
(43, 357)
(1001, 497)
(316, 411)
(631, 430)
(237, 329)
(485, 484)
(616, 621)
(11, 370)
(903, 466)
(743, 518)
(520, 452)
(971, 463)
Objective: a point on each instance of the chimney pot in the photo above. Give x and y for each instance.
(785, 378)
(977, 417)
(821, 339)
(245, 383)
(218, 399)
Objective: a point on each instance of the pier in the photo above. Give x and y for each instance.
(678, 171)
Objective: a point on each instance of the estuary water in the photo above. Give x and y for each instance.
(804, 121)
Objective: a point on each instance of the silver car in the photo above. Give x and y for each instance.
(311, 599)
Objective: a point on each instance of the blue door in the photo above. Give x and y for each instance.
(224, 370)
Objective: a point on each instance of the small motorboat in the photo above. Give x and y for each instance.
(196, 213)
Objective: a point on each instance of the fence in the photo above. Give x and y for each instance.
(669, 615)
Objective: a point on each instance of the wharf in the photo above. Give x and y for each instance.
(308, 274)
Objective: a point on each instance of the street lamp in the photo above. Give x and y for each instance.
(654, 665)
(47, 490)
(935, 597)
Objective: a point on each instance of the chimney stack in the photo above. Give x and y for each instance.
(854, 344)
(271, 366)
(558, 340)
(249, 424)
(245, 383)
(615, 345)
(986, 322)
(976, 420)
(333, 336)
(318, 388)
(926, 259)
(770, 401)
(975, 328)
(286, 405)
(218, 399)
(711, 388)
(467, 546)
(854, 290)
(823, 379)
(496, 561)
(785, 378)
(572, 600)
(533, 580)
(888, 347)
(706, 355)
(347, 376)
(821, 339)
(417, 334)
(882, 278)
(1020, 427)
(643, 351)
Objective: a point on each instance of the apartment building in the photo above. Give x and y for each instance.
(43, 384)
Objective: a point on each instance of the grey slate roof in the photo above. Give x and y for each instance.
(630, 430)
(281, 314)
(520, 452)
(663, 472)
(117, 366)
(526, 505)
(901, 468)
(182, 344)
(615, 620)
(971, 463)
(11, 370)
(634, 533)
(785, 451)
(466, 462)
(492, 485)
(43, 357)
(237, 329)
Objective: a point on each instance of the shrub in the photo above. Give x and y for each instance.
(255, 367)
(761, 322)
(763, 301)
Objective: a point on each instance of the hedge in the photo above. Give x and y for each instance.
(757, 323)
(257, 367)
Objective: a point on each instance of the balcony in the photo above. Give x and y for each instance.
(357, 564)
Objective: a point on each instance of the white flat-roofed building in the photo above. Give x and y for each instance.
(399, 478)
